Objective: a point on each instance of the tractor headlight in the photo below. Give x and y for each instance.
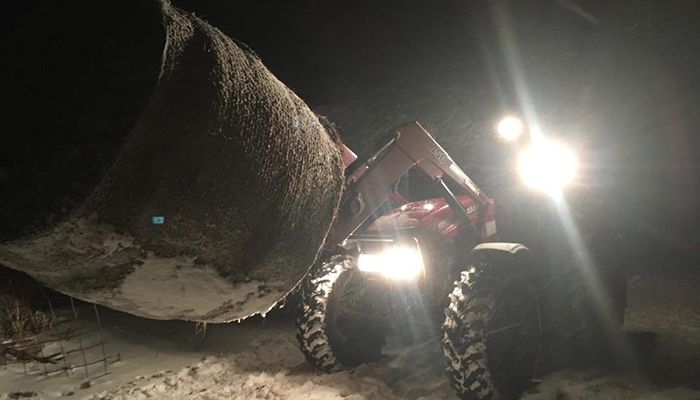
(402, 263)
(547, 166)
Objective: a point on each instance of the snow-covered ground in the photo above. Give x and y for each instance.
(259, 359)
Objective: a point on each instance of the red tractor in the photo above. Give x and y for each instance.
(404, 263)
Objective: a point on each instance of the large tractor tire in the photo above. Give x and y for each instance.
(339, 323)
(491, 333)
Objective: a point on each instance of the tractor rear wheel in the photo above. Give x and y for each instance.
(491, 333)
(339, 323)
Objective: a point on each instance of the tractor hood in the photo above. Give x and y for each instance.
(433, 215)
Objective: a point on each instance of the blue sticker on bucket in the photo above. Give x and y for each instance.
(158, 220)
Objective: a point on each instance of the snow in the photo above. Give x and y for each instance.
(259, 359)
(177, 287)
(151, 286)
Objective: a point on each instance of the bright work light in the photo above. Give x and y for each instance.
(510, 128)
(547, 166)
(402, 263)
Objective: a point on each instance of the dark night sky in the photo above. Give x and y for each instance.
(624, 87)
(317, 46)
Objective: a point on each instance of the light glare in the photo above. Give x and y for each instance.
(510, 128)
(400, 263)
(547, 166)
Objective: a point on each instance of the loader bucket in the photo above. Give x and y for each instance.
(153, 165)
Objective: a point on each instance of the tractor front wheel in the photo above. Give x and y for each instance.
(491, 333)
(339, 323)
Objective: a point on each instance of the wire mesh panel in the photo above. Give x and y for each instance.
(69, 343)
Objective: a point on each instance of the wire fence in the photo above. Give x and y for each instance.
(71, 343)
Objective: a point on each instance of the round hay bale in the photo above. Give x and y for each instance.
(216, 200)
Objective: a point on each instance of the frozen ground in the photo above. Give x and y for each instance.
(259, 359)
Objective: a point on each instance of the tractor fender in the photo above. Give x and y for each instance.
(501, 253)
(502, 247)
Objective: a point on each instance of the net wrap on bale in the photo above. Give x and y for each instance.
(218, 198)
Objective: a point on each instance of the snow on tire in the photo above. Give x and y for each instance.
(332, 334)
(311, 330)
(491, 333)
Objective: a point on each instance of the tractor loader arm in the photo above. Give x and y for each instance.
(374, 182)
